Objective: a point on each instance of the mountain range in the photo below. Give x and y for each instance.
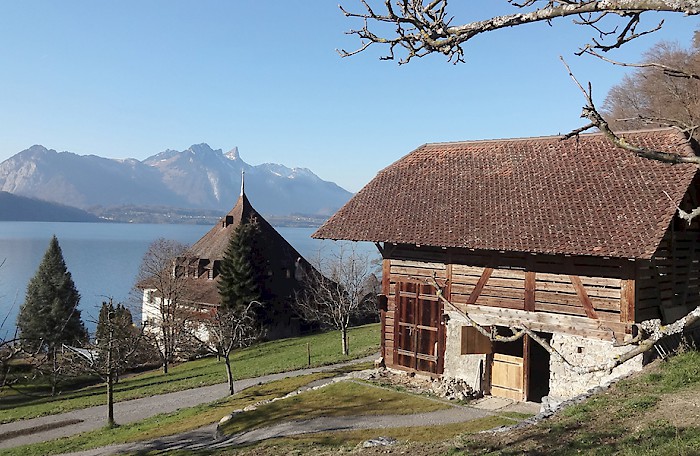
(196, 178)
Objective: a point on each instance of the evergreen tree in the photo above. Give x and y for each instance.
(117, 319)
(115, 326)
(49, 315)
(242, 273)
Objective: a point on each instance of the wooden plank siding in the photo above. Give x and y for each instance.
(508, 289)
(671, 278)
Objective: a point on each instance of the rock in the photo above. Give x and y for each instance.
(454, 389)
(379, 441)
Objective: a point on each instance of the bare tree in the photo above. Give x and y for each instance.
(654, 96)
(344, 290)
(112, 352)
(228, 329)
(167, 297)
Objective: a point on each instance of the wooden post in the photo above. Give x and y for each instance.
(530, 291)
(526, 367)
(627, 299)
(308, 353)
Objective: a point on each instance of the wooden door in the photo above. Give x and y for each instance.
(419, 331)
(507, 377)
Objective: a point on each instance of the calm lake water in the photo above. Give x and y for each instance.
(103, 258)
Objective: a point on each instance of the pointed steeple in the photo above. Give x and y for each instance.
(242, 182)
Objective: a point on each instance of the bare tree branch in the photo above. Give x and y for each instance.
(422, 27)
(668, 70)
(591, 113)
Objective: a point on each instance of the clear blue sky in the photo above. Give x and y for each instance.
(131, 78)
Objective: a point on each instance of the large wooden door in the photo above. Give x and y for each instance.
(419, 330)
(507, 377)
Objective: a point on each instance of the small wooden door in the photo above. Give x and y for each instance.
(419, 329)
(507, 377)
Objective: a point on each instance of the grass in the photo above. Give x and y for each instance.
(339, 399)
(172, 423)
(648, 414)
(262, 359)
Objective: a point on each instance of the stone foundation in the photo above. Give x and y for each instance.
(467, 368)
(565, 384)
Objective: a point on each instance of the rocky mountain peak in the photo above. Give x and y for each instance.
(233, 154)
(203, 149)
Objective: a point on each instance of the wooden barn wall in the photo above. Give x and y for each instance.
(586, 296)
(671, 279)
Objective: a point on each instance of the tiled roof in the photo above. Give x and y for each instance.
(213, 244)
(279, 254)
(580, 197)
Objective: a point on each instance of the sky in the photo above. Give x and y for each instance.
(131, 78)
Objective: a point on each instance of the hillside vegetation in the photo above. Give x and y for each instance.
(656, 412)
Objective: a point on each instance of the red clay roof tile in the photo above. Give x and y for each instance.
(580, 197)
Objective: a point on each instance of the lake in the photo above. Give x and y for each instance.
(104, 258)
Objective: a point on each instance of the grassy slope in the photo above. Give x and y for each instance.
(262, 359)
(655, 413)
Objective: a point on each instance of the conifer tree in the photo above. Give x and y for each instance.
(242, 274)
(49, 315)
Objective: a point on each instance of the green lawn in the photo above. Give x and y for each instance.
(172, 423)
(339, 399)
(266, 358)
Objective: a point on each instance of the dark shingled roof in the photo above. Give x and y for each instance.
(213, 244)
(580, 196)
(279, 253)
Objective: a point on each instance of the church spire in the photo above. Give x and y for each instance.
(242, 182)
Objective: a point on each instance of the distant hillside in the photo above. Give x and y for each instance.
(197, 178)
(22, 209)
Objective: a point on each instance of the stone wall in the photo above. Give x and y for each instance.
(469, 368)
(566, 384)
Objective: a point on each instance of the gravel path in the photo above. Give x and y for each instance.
(71, 423)
(204, 437)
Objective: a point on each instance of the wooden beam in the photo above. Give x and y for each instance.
(627, 302)
(527, 353)
(479, 285)
(386, 276)
(530, 291)
(583, 296)
(546, 322)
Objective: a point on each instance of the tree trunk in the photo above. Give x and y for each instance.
(110, 374)
(344, 335)
(54, 371)
(110, 398)
(229, 374)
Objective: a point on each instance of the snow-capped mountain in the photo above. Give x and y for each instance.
(198, 177)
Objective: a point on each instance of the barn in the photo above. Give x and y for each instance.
(576, 239)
